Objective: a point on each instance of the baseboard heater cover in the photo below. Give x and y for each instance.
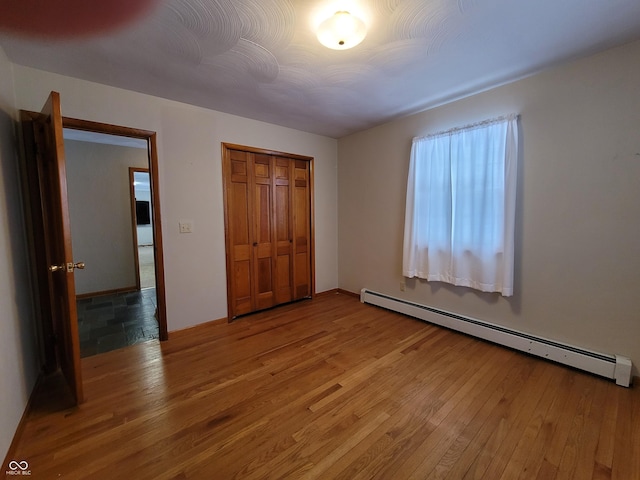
(615, 367)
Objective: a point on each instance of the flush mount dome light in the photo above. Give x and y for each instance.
(341, 31)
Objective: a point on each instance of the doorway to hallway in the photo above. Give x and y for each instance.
(110, 322)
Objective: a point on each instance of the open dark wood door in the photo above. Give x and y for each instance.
(49, 157)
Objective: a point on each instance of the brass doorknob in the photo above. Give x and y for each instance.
(69, 267)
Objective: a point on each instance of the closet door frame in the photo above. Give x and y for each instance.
(226, 174)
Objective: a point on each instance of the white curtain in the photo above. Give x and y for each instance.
(460, 210)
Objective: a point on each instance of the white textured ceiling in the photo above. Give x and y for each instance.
(260, 58)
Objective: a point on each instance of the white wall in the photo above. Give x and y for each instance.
(100, 211)
(18, 353)
(578, 214)
(190, 171)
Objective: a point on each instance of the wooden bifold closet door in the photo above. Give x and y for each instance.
(268, 228)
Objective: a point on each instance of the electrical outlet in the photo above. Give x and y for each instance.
(186, 226)
(402, 286)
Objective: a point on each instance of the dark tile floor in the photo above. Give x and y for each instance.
(109, 322)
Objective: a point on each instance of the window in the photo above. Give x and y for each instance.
(460, 210)
(143, 212)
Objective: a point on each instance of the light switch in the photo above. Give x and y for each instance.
(186, 226)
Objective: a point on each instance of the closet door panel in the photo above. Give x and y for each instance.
(242, 273)
(264, 269)
(283, 230)
(240, 233)
(302, 230)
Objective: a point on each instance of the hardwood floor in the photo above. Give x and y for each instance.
(333, 389)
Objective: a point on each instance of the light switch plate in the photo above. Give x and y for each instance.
(186, 226)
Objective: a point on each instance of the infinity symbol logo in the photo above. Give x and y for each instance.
(13, 465)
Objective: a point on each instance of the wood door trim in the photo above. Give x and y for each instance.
(226, 148)
(264, 151)
(152, 149)
(312, 231)
(114, 291)
(90, 126)
(227, 238)
(158, 249)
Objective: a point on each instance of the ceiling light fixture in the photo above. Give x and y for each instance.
(341, 31)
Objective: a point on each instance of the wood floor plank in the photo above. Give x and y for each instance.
(383, 448)
(480, 430)
(634, 444)
(331, 388)
(502, 419)
(624, 454)
(419, 401)
(539, 447)
(569, 461)
(606, 444)
(465, 420)
(516, 463)
(493, 468)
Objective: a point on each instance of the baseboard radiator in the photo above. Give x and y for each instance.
(615, 367)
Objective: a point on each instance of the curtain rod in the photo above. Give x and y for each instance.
(471, 126)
